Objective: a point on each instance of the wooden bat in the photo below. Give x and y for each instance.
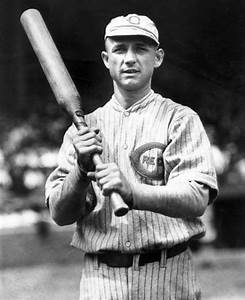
(60, 81)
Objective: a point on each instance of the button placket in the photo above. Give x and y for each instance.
(128, 244)
(125, 144)
(126, 113)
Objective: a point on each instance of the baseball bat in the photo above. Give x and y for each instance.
(60, 82)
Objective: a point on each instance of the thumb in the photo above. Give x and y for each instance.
(91, 176)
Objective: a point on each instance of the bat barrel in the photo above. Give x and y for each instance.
(49, 57)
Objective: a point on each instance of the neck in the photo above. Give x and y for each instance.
(128, 98)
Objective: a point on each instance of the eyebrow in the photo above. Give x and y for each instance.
(122, 43)
(118, 44)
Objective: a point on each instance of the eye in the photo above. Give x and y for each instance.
(142, 48)
(118, 49)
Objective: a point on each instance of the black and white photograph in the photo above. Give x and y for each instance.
(122, 150)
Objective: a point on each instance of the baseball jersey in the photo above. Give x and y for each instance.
(154, 142)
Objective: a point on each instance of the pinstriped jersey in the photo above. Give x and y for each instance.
(153, 142)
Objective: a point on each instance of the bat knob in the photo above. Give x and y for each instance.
(121, 211)
(119, 207)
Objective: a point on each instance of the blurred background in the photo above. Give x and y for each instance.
(204, 68)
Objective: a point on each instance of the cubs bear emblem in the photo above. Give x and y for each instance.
(147, 160)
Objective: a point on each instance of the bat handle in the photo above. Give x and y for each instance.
(119, 207)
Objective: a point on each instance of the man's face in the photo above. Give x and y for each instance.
(131, 61)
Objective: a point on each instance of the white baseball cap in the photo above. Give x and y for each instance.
(132, 24)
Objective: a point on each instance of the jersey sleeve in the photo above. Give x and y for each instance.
(188, 154)
(66, 158)
(66, 162)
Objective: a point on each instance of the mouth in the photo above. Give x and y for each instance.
(130, 71)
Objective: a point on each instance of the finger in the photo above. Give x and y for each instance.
(101, 167)
(89, 142)
(112, 167)
(95, 129)
(92, 132)
(104, 179)
(110, 186)
(88, 150)
(86, 135)
(80, 142)
(82, 130)
(91, 176)
(91, 149)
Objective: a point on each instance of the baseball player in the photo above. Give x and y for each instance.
(157, 156)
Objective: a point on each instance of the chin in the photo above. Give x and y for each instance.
(131, 86)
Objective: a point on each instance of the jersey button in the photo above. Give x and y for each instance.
(128, 244)
(125, 146)
(126, 113)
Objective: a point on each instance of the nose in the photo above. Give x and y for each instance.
(130, 57)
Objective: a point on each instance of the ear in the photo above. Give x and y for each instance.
(104, 56)
(159, 58)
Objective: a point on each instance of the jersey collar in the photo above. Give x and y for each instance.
(141, 103)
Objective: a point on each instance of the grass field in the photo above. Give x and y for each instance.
(36, 269)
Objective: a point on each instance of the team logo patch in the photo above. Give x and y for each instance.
(134, 19)
(147, 160)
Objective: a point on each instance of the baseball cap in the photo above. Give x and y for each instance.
(132, 24)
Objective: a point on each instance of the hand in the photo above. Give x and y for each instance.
(110, 178)
(86, 142)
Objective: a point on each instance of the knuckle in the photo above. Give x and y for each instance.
(93, 140)
(92, 134)
(99, 148)
(94, 148)
(82, 130)
(100, 181)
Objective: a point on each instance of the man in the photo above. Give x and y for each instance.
(157, 156)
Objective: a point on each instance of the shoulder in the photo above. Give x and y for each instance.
(172, 108)
(173, 113)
